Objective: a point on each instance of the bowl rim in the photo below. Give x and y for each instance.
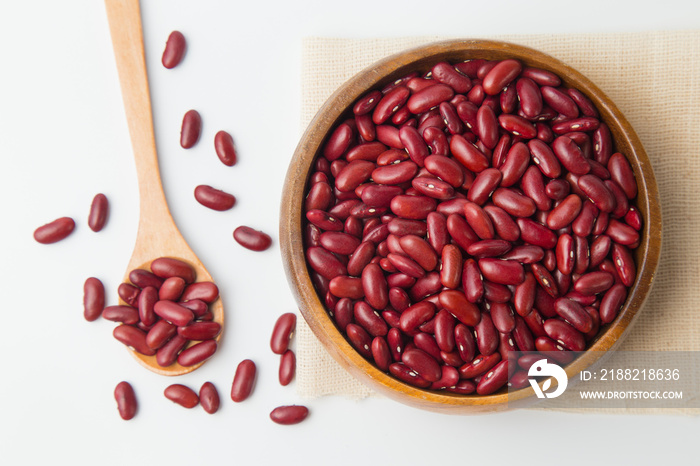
(337, 106)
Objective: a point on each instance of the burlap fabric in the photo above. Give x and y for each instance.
(654, 78)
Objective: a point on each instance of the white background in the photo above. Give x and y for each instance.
(63, 138)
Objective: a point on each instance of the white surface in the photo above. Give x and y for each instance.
(63, 138)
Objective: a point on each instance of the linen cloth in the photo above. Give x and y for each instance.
(654, 79)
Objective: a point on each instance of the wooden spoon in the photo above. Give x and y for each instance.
(158, 236)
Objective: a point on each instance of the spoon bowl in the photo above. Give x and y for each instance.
(158, 235)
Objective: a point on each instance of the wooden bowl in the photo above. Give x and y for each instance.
(339, 106)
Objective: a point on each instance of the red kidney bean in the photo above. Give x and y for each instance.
(565, 254)
(576, 124)
(198, 307)
(429, 97)
(612, 302)
(529, 96)
(369, 319)
(174, 51)
(557, 189)
(633, 218)
(514, 203)
(602, 144)
(214, 199)
(344, 286)
(407, 375)
(200, 330)
(624, 264)
(203, 291)
(225, 148)
(599, 249)
(367, 151)
(128, 293)
(254, 240)
(380, 195)
(621, 201)
(354, 174)
(573, 313)
(197, 353)
(464, 342)
(486, 335)
(182, 395)
(425, 286)
(583, 224)
(582, 254)
(413, 207)
(505, 272)
(565, 334)
(160, 333)
(536, 234)
(124, 314)
(282, 332)
(472, 282)
(593, 283)
(559, 101)
(545, 279)
(360, 258)
(517, 125)
(484, 185)
(287, 368)
(570, 155)
(173, 312)
(621, 173)
(420, 251)
(533, 187)
(445, 168)
(338, 142)
(167, 354)
(451, 118)
(99, 210)
(389, 103)
(501, 75)
(502, 317)
(564, 213)
(54, 231)
(457, 304)
(243, 380)
(339, 242)
(288, 415)
(448, 378)
(544, 157)
(488, 248)
(445, 73)
(422, 363)
(503, 224)
(433, 187)
(191, 129)
(375, 286)
(360, 339)
(171, 290)
(487, 126)
(527, 254)
(134, 338)
(381, 353)
(416, 315)
(597, 192)
(367, 103)
(494, 379)
(415, 145)
(126, 400)
(209, 398)
(524, 295)
(444, 330)
(480, 365)
(165, 267)
(93, 299)
(451, 266)
(541, 77)
(467, 154)
(621, 233)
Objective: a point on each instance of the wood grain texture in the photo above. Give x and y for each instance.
(338, 107)
(157, 236)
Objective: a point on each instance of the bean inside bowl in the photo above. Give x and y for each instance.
(500, 183)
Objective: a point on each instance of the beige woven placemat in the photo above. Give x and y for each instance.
(654, 78)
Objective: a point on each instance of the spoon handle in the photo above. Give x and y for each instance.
(124, 17)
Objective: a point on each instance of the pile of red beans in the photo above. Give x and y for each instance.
(463, 214)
